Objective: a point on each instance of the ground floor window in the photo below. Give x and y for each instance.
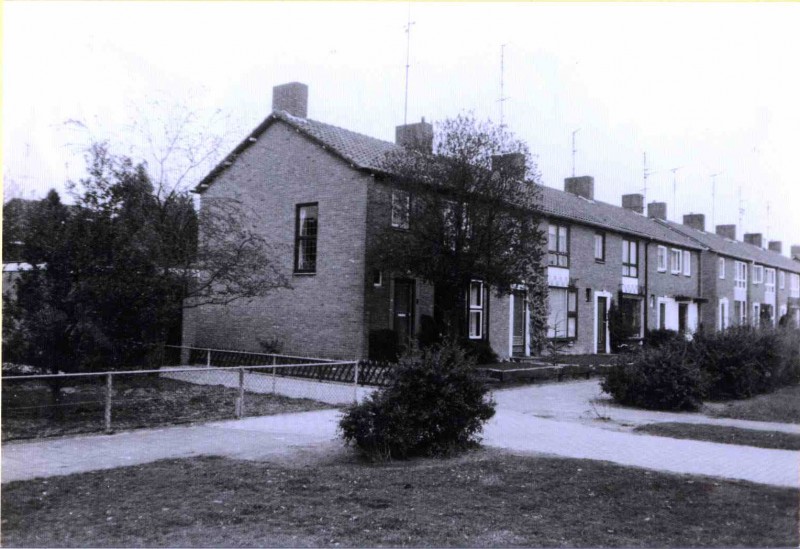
(630, 311)
(740, 312)
(475, 305)
(723, 314)
(562, 320)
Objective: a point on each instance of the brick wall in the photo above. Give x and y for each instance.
(323, 314)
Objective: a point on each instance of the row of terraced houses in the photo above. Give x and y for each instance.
(319, 193)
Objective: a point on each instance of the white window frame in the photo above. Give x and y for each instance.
(662, 259)
(379, 283)
(401, 213)
(675, 257)
(600, 246)
(782, 279)
(630, 268)
(758, 274)
(794, 281)
(769, 278)
(724, 313)
(721, 268)
(687, 263)
(740, 276)
(756, 314)
(475, 308)
(742, 320)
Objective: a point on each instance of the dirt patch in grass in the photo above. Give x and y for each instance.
(483, 499)
(725, 435)
(782, 406)
(144, 400)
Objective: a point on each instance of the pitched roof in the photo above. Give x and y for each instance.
(737, 249)
(601, 214)
(362, 151)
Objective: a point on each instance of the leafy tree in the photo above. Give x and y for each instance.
(112, 274)
(472, 214)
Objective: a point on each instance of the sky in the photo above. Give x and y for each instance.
(700, 88)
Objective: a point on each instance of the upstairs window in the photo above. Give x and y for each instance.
(662, 259)
(782, 279)
(305, 247)
(721, 268)
(687, 263)
(599, 247)
(769, 280)
(794, 290)
(558, 246)
(675, 260)
(740, 280)
(758, 274)
(401, 209)
(475, 308)
(630, 258)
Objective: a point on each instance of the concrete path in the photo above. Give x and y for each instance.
(545, 419)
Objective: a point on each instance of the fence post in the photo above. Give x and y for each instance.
(109, 388)
(355, 383)
(240, 407)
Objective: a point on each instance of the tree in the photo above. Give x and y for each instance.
(112, 274)
(472, 212)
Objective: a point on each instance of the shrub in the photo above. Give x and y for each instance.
(657, 378)
(480, 351)
(383, 345)
(743, 361)
(658, 338)
(433, 406)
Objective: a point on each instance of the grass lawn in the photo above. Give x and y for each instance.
(725, 435)
(484, 498)
(139, 401)
(782, 406)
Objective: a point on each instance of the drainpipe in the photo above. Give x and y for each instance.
(646, 286)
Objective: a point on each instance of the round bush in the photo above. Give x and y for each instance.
(657, 378)
(434, 405)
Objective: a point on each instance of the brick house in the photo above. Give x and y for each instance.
(318, 193)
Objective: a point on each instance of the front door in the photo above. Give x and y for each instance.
(404, 310)
(519, 335)
(602, 323)
(683, 317)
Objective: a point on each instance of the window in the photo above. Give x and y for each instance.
(475, 306)
(662, 259)
(758, 274)
(558, 246)
(562, 321)
(630, 311)
(756, 313)
(723, 314)
(675, 260)
(305, 246)
(740, 312)
(687, 263)
(721, 268)
(662, 314)
(794, 280)
(377, 278)
(599, 246)
(782, 279)
(769, 280)
(630, 258)
(740, 280)
(401, 208)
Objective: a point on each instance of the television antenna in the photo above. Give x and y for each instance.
(714, 197)
(675, 190)
(408, 62)
(574, 150)
(741, 209)
(502, 82)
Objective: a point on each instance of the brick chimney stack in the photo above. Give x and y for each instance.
(756, 239)
(776, 246)
(795, 251)
(634, 202)
(698, 221)
(727, 231)
(417, 136)
(580, 186)
(511, 164)
(292, 98)
(657, 210)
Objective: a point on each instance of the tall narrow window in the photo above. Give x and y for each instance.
(475, 309)
(740, 276)
(562, 321)
(722, 268)
(675, 260)
(758, 274)
(600, 247)
(662, 259)
(630, 258)
(306, 229)
(558, 246)
(769, 279)
(401, 209)
(782, 279)
(687, 263)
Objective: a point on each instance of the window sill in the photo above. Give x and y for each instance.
(296, 273)
(602, 261)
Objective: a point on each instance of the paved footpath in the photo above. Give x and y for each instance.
(547, 419)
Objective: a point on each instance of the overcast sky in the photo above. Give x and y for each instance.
(710, 88)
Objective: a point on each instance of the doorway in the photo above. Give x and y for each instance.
(403, 321)
(519, 335)
(602, 324)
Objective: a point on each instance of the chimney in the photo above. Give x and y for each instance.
(754, 238)
(580, 186)
(795, 252)
(698, 221)
(292, 98)
(727, 231)
(657, 210)
(633, 202)
(776, 246)
(511, 164)
(417, 136)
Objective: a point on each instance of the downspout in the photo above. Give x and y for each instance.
(646, 285)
